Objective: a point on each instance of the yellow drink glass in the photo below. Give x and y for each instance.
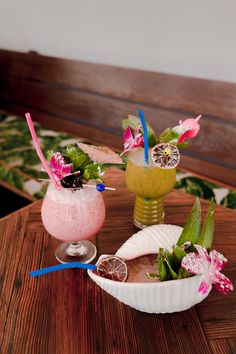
(149, 184)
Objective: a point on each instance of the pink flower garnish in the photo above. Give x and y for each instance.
(131, 141)
(188, 128)
(59, 168)
(209, 265)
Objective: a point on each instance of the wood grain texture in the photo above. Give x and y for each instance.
(204, 169)
(106, 113)
(224, 346)
(65, 312)
(75, 96)
(151, 88)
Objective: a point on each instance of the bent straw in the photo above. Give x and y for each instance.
(57, 267)
(38, 149)
(145, 133)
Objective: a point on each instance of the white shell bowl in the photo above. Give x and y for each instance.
(160, 297)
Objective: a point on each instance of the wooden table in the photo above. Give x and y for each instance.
(65, 312)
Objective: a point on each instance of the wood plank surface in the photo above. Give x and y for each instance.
(204, 169)
(65, 312)
(156, 89)
(74, 95)
(87, 108)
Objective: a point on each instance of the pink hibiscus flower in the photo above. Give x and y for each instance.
(188, 128)
(209, 265)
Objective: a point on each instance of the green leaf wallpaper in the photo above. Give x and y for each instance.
(20, 166)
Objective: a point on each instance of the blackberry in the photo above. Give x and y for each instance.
(72, 181)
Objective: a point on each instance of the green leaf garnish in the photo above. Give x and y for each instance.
(179, 253)
(153, 276)
(94, 171)
(206, 236)
(79, 159)
(49, 154)
(163, 271)
(191, 231)
(169, 136)
(169, 262)
(182, 145)
(131, 121)
(183, 274)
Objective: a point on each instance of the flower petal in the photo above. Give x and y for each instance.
(187, 135)
(222, 283)
(60, 169)
(218, 260)
(66, 169)
(57, 174)
(194, 264)
(136, 131)
(204, 287)
(131, 142)
(57, 161)
(188, 129)
(203, 253)
(138, 141)
(128, 137)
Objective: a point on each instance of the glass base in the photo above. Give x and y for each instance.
(83, 252)
(148, 212)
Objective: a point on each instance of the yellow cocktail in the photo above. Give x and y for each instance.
(149, 184)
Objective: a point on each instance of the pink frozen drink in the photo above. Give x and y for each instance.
(73, 215)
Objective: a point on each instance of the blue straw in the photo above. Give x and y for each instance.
(145, 132)
(38, 272)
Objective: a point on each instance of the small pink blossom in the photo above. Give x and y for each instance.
(130, 141)
(60, 169)
(188, 128)
(209, 265)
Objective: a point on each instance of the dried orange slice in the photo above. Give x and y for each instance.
(113, 268)
(165, 155)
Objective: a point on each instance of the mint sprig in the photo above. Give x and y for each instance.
(81, 162)
(78, 158)
(93, 171)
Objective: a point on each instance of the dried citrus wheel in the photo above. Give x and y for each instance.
(165, 155)
(113, 268)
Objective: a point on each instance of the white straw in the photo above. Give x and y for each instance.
(84, 185)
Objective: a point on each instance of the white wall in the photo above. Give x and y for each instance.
(187, 37)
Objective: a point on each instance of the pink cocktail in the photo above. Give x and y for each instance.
(73, 216)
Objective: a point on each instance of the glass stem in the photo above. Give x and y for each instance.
(75, 248)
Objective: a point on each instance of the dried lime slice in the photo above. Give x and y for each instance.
(165, 155)
(113, 268)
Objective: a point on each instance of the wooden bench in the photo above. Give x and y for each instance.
(77, 97)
